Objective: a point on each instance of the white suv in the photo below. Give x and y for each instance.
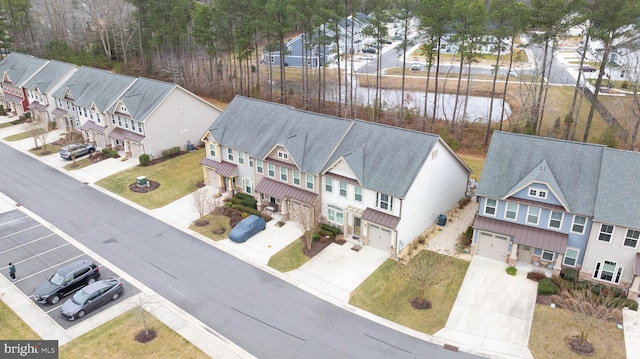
(415, 66)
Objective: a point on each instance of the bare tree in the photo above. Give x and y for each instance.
(204, 203)
(39, 129)
(303, 216)
(423, 269)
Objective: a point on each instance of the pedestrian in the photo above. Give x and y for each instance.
(12, 271)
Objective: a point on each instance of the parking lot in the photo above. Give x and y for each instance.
(37, 253)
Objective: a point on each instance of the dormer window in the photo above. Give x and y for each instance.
(283, 155)
(536, 192)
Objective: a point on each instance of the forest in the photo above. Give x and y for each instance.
(214, 49)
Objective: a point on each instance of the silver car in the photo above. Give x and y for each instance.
(77, 150)
(91, 297)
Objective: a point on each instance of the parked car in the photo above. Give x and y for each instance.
(415, 66)
(246, 228)
(77, 149)
(91, 297)
(588, 68)
(65, 281)
(369, 50)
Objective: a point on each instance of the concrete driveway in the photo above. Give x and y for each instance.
(493, 312)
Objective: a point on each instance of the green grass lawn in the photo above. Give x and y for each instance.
(13, 327)
(389, 290)
(475, 163)
(289, 258)
(215, 221)
(23, 135)
(42, 151)
(115, 339)
(177, 177)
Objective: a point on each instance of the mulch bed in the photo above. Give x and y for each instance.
(420, 303)
(318, 246)
(146, 336)
(153, 185)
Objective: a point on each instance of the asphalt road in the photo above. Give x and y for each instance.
(259, 312)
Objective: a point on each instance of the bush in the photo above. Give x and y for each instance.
(244, 201)
(171, 151)
(228, 204)
(243, 196)
(598, 288)
(583, 284)
(569, 274)
(246, 209)
(144, 159)
(547, 287)
(110, 153)
(536, 275)
(331, 229)
(624, 302)
(511, 270)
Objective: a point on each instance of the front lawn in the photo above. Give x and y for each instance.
(116, 339)
(13, 327)
(177, 177)
(289, 257)
(389, 290)
(475, 163)
(23, 135)
(215, 222)
(41, 151)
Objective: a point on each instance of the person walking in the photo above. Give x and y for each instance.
(12, 271)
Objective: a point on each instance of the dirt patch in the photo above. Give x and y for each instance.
(316, 247)
(153, 185)
(585, 348)
(420, 303)
(145, 336)
(201, 222)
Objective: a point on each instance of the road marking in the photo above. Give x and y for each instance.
(47, 269)
(24, 230)
(23, 244)
(15, 220)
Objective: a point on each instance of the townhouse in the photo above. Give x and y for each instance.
(561, 204)
(381, 184)
(40, 86)
(16, 70)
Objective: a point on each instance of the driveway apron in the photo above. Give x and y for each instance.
(493, 311)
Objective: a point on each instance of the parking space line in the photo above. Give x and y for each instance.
(33, 241)
(15, 220)
(44, 270)
(20, 231)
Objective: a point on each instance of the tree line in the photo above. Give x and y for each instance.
(214, 48)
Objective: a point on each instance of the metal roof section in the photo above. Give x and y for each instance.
(224, 169)
(20, 67)
(90, 125)
(574, 166)
(280, 190)
(380, 218)
(122, 134)
(527, 235)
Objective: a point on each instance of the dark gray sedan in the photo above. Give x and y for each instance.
(91, 297)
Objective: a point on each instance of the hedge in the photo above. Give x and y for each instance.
(330, 228)
(547, 287)
(246, 209)
(171, 151)
(247, 202)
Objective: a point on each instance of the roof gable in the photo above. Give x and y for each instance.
(143, 97)
(541, 174)
(47, 78)
(19, 68)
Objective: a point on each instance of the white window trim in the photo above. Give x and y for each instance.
(296, 178)
(576, 259)
(309, 184)
(486, 205)
(561, 220)
(284, 174)
(506, 210)
(553, 255)
(526, 220)
(537, 193)
(626, 235)
(271, 166)
(260, 166)
(283, 155)
(328, 184)
(355, 194)
(335, 210)
(617, 272)
(613, 229)
(573, 223)
(230, 154)
(346, 191)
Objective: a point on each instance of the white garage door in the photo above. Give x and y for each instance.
(379, 238)
(492, 245)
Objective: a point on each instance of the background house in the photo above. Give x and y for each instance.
(382, 184)
(42, 84)
(16, 70)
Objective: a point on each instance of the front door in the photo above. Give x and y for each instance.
(356, 225)
(524, 254)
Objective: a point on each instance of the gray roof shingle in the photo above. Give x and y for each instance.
(143, 97)
(618, 199)
(46, 78)
(20, 67)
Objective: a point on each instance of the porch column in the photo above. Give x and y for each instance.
(557, 266)
(513, 256)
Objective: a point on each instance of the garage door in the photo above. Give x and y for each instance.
(379, 238)
(492, 245)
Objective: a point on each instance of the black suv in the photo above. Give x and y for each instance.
(65, 281)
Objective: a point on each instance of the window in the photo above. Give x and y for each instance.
(250, 162)
(631, 239)
(343, 189)
(547, 255)
(126, 123)
(605, 233)
(296, 177)
(384, 201)
(230, 154)
(310, 182)
(536, 192)
(555, 220)
(608, 271)
(271, 168)
(578, 225)
(212, 149)
(511, 212)
(490, 207)
(357, 194)
(259, 168)
(533, 215)
(283, 155)
(328, 184)
(284, 173)
(248, 185)
(335, 215)
(570, 257)
(140, 127)
(241, 157)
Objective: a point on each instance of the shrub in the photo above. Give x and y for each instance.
(243, 196)
(547, 287)
(246, 209)
(583, 284)
(598, 288)
(144, 159)
(569, 274)
(511, 270)
(624, 302)
(536, 275)
(331, 229)
(110, 153)
(171, 151)
(228, 204)
(325, 233)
